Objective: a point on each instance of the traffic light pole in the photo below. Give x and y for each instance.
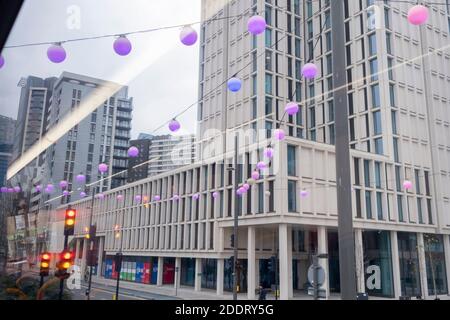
(236, 211)
(61, 281)
(347, 259)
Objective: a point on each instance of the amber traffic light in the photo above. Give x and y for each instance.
(45, 264)
(69, 222)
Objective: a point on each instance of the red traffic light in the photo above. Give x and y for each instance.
(70, 213)
(44, 264)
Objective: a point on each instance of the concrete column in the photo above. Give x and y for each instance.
(251, 263)
(219, 278)
(101, 245)
(83, 258)
(77, 251)
(322, 244)
(359, 255)
(395, 265)
(285, 260)
(176, 283)
(422, 264)
(159, 275)
(447, 258)
(198, 274)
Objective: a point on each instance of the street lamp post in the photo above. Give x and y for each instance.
(236, 211)
(344, 198)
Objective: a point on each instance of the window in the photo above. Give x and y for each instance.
(292, 196)
(374, 69)
(400, 208)
(368, 205)
(378, 174)
(291, 160)
(394, 121)
(375, 96)
(367, 173)
(377, 123)
(268, 34)
(372, 44)
(379, 145)
(268, 83)
(380, 206)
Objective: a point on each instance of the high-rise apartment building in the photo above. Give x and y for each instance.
(399, 128)
(7, 126)
(162, 153)
(102, 137)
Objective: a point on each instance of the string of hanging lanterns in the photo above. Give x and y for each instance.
(417, 15)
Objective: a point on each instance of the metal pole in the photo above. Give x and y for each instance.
(61, 281)
(344, 199)
(91, 246)
(236, 210)
(120, 266)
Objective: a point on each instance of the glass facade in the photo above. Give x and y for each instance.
(409, 264)
(435, 262)
(187, 272)
(209, 273)
(378, 263)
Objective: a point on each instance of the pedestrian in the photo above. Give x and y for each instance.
(262, 293)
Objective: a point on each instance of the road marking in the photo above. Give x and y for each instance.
(121, 294)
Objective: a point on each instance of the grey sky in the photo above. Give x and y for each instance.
(163, 87)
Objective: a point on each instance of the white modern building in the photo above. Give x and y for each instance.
(399, 130)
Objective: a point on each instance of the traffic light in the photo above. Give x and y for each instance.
(118, 262)
(92, 231)
(232, 241)
(69, 222)
(65, 262)
(272, 264)
(45, 264)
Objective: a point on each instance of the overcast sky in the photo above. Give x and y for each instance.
(168, 71)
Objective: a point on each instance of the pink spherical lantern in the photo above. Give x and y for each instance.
(122, 46)
(215, 194)
(63, 184)
(174, 125)
(10, 190)
(80, 178)
(50, 188)
(156, 198)
(2, 61)
(100, 196)
(239, 192)
(38, 188)
(256, 25)
(102, 167)
(17, 189)
(3, 189)
(418, 15)
(56, 53)
(268, 152)
(119, 197)
(176, 197)
(309, 70)
(133, 152)
(196, 196)
(188, 36)
(279, 134)
(246, 186)
(291, 108)
(255, 175)
(137, 198)
(261, 165)
(407, 184)
(304, 193)
(82, 194)
(66, 193)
